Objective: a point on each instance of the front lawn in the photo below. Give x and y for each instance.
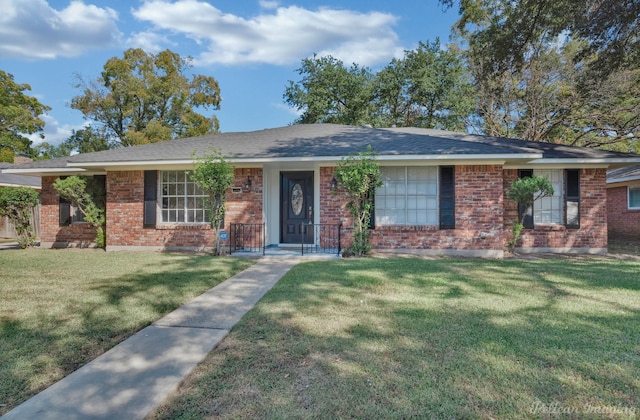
(416, 338)
(60, 309)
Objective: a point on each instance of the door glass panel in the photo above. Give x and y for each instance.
(297, 199)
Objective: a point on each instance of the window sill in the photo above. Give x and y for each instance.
(549, 228)
(183, 226)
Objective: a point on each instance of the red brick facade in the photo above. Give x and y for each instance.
(125, 206)
(51, 233)
(483, 216)
(623, 223)
(479, 200)
(592, 233)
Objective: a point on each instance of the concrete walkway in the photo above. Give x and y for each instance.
(134, 377)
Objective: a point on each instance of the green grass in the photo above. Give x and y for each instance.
(60, 309)
(406, 338)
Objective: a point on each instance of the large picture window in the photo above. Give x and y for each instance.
(182, 200)
(634, 198)
(408, 196)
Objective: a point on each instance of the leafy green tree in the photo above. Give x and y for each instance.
(17, 203)
(359, 175)
(145, 98)
(331, 93)
(19, 115)
(92, 206)
(525, 191)
(508, 31)
(213, 174)
(430, 87)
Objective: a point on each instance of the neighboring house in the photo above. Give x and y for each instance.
(11, 180)
(623, 203)
(442, 193)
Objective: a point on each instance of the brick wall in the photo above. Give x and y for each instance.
(623, 223)
(125, 205)
(593, 218)
(51, 233)
(479, 198)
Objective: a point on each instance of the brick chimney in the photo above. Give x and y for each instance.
(20, 159)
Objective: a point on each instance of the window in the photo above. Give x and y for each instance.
(549, 210)
(634, 197)
(182, 200)
(69, 213)
(408, 196)
(563, 207)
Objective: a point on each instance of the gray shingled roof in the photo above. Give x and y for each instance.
(17, 180)
(330, 140)
(623, 174)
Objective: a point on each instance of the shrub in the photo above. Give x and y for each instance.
(17, 203)
(74, 189)
(359, 175)
(525, 191)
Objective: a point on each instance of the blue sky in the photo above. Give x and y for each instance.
(251, 47)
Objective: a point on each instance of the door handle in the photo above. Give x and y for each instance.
(310, 213)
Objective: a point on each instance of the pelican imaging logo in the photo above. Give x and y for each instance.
(556, 408)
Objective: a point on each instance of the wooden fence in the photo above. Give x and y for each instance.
(7, 230)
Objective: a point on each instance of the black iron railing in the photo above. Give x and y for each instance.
(320, 238)
(247, 237)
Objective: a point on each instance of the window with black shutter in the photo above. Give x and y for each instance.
(447, 197)
(572, 198)
(150, 196)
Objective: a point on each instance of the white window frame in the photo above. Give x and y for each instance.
(186, 197)
(636, 189)
(550, 210)
(415, 200)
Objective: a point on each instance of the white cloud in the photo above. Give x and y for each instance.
(54, 133)
(32, 29)
(151, 42)
(283, 36)
(265, 4)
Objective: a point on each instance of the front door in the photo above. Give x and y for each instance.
(296, 207)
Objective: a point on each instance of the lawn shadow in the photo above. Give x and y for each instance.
(430, 340)
(53, 342)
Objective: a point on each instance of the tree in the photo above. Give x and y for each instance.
(19, 115)
(525, 191)
(359, 175)
(429, 87)
(331, 93)
(507, 31)
(551, 99)
(17, 203)
(145, 98)
(89, 201)
(213, 174)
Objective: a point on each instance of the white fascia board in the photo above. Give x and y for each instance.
(140, 163)
(529, 165)
(4, 184)
(43, 171)
(485, 158)
(626, 179)
(592, 161)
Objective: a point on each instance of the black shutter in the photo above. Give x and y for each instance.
(524, 210)
(64, 212)
(150, 197)
(447, 197)
(572, 198)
